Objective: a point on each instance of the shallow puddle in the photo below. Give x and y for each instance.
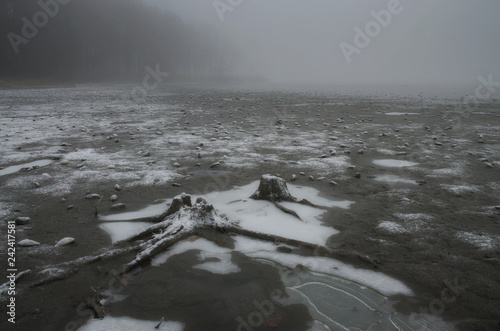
(264, 288)
(394, 163)
(16, 168)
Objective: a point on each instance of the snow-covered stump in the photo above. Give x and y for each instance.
(184, 220)
(272, 188)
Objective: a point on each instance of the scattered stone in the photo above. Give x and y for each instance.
(361, 151)
(28, 243)
(93, 196)
(323, 156)
(176, 164)
(357, 175)
(176, 185)
(333, 182)
(111, 167)
(437, 143)
(70, 207)
(488, 165)
(213, 139)
(334, 138)
(198, 164)
(113, 198)
(64, 163)
(37, 184)
(118, 206)
(421, 182)
(302, 173)
(213, 165)
(22, 220)
(118, 187)
(294, 178)
(65, 241)
(311, 178)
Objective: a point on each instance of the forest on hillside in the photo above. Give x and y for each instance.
(98, 40)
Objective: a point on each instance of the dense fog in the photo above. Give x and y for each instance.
(446, 42)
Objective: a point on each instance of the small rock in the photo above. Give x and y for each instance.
(488, 165)
(198, 164)
(176, 184)
(118, 206)
(302, 173)
(113, 198)
(333, 182)
(64, 163)
(70, 207)
(93, 196)
(497, 207)
(213, 165)
(28, 243)
(118, 187)
(65, 241)
(37, 184)
(421, 182)
(65, 144)
(437, 143)
(176, 164)
(111, 167)
(22, 220)
(323, 156)
(357, 175)
(334, 138)
(311, 178)
(294, 178)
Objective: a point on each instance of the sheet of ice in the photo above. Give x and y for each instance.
(375, 280)
(394, 113)
(394, 179)
(266, 250)
(128, 323)
(16, 168)
(263, 216)
(207, 248)
(149, 211)
(123, 230)
(222, 266)
(394, 163)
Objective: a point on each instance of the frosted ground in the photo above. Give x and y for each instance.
(411, 187)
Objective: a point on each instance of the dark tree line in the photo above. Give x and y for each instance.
(92, 40)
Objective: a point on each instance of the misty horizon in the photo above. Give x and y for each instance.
(449, 43)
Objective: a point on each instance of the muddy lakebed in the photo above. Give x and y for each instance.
(406, 193)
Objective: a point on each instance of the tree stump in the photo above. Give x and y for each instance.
(272, 188)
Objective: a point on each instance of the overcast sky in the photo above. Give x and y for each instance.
(426, 41)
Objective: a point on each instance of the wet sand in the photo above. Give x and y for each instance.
(440, 237)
